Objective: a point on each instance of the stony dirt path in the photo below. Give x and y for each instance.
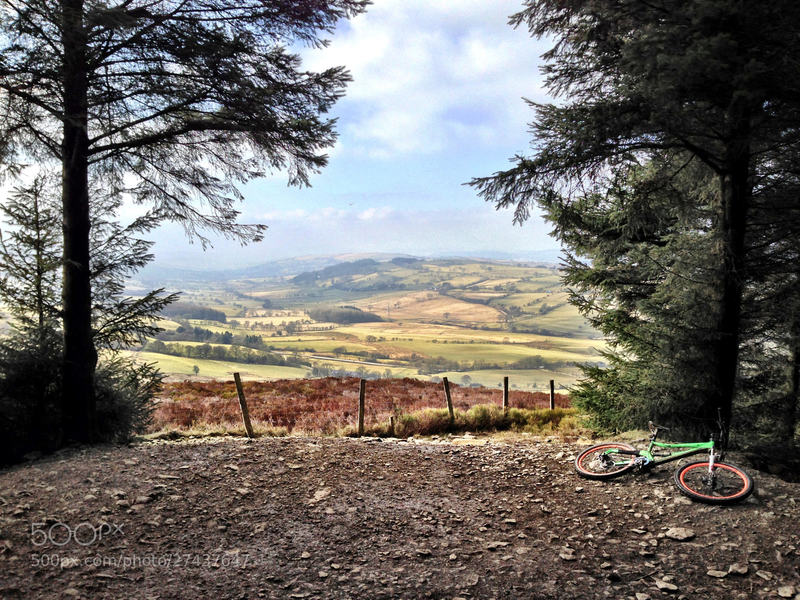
(340, 518)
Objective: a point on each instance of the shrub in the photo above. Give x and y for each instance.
(30, 396)
(602, 396)
(125, 390)
(428, 421)
(484, 418)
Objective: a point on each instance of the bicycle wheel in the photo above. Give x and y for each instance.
(602, 462)
(727, 484)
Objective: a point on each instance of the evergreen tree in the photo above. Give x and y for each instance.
(770, 370)
(713, 79)
(30, 264)
(643, 267)
(30, 254)
(174, 102)
(124, 389)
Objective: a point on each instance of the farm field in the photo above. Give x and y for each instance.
(182, 368)
(473, 321)
(430, 306)
(522, 379)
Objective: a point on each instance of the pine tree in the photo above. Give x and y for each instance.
(30, 254)
(174, 102)
(714, 79)
(30, 265)
(770, 371)
(120, 320)
(641, 266)
(124, 388)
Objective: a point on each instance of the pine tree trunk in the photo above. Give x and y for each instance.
(735, 197)
(80, 357)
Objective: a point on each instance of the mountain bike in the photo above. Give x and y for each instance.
(710, 480)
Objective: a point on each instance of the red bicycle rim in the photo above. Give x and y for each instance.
(580, 462)
(716, 466)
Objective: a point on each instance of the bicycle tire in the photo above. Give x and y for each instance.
(730, 485)
(589, 463)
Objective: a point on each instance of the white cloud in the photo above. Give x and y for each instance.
(432, 76)
(375, 214)
(328, 213)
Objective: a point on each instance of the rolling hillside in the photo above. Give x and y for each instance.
(474, 321)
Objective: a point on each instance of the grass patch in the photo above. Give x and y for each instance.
(482, 418)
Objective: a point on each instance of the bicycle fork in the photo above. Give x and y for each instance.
(711, 478)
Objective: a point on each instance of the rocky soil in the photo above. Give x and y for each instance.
(341, 518)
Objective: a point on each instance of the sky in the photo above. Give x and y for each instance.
(436, 99)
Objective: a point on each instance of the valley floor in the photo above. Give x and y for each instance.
(344, 518)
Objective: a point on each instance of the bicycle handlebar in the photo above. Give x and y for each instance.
(656, 428)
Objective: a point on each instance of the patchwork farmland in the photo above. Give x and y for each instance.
(472, 321)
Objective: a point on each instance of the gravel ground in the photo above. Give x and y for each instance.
(447, 518)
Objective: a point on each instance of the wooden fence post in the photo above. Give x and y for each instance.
(449, 400)
(505, 394)
(243, 405)
(361, 401)
(391, 425)
(552, 394)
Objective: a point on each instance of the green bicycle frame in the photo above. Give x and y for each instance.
(652, 460)
(691, 448)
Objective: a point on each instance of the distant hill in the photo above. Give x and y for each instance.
(156, 274)
(358, 267)
(160, 274)
(444, 275)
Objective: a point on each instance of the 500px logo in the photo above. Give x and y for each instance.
(83, 534)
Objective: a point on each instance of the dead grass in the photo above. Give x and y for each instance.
(329, 406)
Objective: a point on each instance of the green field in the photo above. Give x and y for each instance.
(523, 380)
(477, 316)
(215, 369)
